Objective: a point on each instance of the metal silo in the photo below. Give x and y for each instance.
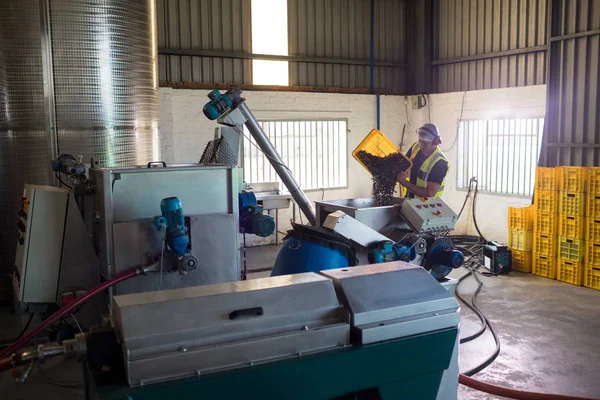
(23, 154)
(101, 82)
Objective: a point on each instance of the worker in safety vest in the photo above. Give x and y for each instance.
(429, 165)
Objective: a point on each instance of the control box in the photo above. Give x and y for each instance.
(42, 221)
(428, 214)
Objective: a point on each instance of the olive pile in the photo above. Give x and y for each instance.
(384, 171)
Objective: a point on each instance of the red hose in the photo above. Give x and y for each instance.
(512, 393)
(66, 310)
(6, 363)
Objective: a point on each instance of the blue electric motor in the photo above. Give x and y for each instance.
(387, 251)
(252, 219)
(172, 222)
(442, 257)
(218, 104)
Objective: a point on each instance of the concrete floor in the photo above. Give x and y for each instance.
(549, 333)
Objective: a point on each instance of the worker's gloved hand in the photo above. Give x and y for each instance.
(403, 176)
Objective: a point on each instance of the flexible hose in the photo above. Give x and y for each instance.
(513, 393)
(6, 363)
(475, 212)
(483, 326)
(67, 310)
(488, 324)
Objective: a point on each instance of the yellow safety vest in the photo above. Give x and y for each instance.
(426, 167)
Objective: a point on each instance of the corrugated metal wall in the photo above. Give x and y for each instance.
(340, 30)
(572, 134)
(486, 44)
(193, 33)
(209, 41)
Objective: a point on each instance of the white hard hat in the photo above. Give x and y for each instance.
(429, 132)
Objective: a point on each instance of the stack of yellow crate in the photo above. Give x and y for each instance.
(520, 237)
(591, 273)
(545, 223)
(571, 223)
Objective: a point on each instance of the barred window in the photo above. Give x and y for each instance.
(315, 151)
(502, 154)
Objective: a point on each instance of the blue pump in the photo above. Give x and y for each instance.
(172, 222)
(252, 219)
(387, 251)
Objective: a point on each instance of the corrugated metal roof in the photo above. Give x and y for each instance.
(485, 44)
(572, 129)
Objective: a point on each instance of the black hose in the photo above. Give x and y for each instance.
(496, 352)
(474, 212)
(483, 326)
(466, 199)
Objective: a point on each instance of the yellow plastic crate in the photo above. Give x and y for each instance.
(572, 203)
(520, 218)
(593, 206)
(571, 226)
(546, 223)
(592, 255)
(571, 249)
(570, 272)
(591, 277)
(545, 179)
(520, 240)
(593, 182)
(546, 200)
(592, 228)
(377, 144)
(521, 260)
(572, 179)
(543, 266)
(544, 245)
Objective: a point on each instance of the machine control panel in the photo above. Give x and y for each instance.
(41, 228)
(428, 214)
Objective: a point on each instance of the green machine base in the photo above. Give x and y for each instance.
(409, 368)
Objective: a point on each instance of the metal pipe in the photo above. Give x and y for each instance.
(378, 101)
(282, 170)
(276, 57)
(372, 48)
(496, 54)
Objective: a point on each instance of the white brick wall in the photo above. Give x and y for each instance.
(523, 102)
(184, 130)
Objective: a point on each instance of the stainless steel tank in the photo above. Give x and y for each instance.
(103, 65)
(106, 79)
(23, 155)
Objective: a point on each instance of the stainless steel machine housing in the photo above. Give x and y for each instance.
(125, 201)
(191, 331)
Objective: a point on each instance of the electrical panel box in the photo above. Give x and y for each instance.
(42, 221)
(428, 214)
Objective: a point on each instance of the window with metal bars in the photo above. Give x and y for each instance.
(314, 150)
(502, 154)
